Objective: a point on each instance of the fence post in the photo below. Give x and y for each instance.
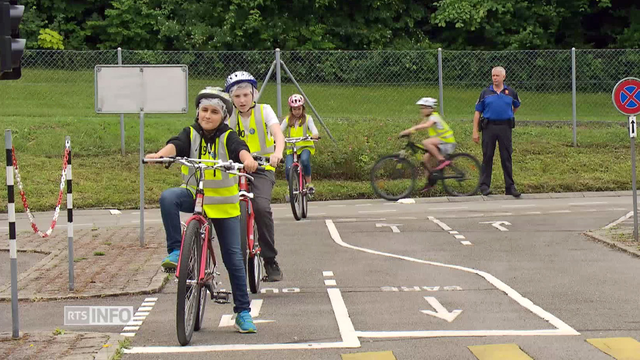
(13, 247)
(440, 82)
(121, 115)
(69, 214)
(278, 84)
(573, 94)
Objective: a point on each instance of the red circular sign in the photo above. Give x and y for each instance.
(626, 96)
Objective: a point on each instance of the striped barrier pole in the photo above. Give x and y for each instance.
(67, 145)
(13, 248)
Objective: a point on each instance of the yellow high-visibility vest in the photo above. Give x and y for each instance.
(221, 194)
(257, 137)
(300, 131)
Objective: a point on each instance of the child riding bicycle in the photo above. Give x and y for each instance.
(211, 139)
(299, 124)
(440, 142)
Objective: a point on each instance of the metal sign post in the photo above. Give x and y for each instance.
(140, 89)
(626, 98)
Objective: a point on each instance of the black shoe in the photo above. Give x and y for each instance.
(513, 192)
(273, 271)
(485, 191)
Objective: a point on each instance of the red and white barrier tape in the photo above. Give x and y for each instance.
(24, 198)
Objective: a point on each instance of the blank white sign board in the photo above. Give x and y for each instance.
(128, 89)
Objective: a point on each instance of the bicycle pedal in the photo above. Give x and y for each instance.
(169, 270)
(221, 297)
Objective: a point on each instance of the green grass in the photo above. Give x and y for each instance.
(58, 94)
(544, 159)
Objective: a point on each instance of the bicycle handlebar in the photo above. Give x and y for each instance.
(229, 167)
(294, 140)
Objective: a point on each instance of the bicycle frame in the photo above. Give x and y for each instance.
(246, 196)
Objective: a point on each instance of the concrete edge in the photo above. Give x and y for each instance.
(156, 285)
(611, 243)
(110, 347)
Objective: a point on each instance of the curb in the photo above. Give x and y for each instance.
(159, 280)
(109, 349)
(599, 238)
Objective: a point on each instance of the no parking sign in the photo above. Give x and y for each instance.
(626, 98)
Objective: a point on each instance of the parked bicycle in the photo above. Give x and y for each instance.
(197, 271)
(298, 192)
(394, 176)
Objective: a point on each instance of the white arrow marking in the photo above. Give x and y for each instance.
(256, 305)
(496, 224)
(440, 312)
(394, 227)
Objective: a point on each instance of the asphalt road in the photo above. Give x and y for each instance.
(423, 280)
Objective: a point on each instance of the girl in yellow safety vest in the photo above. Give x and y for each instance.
(299, 124)
(210, 138)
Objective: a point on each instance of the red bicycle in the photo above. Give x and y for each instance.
(196, 272)
(249, 231)
(298, 191)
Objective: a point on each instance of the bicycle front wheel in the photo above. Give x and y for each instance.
(206, 288)
(462, 176)
(393, 177)
(254, 264)
(305, 199)
(295, 193)
(188, 288)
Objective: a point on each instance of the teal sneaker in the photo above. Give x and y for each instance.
(171, 261)
(244, 323)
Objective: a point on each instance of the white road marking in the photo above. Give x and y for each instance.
(394, 227)
(128, 334)
(502, 214)
(345, 326)
(561, 327)
(377, 211)
(146, 220)
(145, 308)
(440, 311)
(533, 213)
(256, 305)
(623, 218)
(588, 203)
(141, 313)
(459, 237)
(363, 204)
(497, 224)
(146, 303)
(519, 206)
(407, 218)
(449, 208)
(337, 205)
(151, 299)
(559, 211)
(330, 282)
(130, 328)
(453, 232)
(465, 242)
(346, 220)
(327, 273)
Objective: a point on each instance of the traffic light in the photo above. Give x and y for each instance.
(11, 46)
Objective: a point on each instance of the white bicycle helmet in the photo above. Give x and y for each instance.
(296, 100)
(428, 101)
(239, 77)
(211, 92)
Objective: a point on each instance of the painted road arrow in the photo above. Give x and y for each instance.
(394, 227)
(497, 224)
(440, 312)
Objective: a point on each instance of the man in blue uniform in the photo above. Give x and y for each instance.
(497, 105)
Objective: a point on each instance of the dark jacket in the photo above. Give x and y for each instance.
(235, 145)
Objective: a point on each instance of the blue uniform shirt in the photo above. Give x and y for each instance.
(494, 106)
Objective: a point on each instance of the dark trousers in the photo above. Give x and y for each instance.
(500, 132)
(261, 186)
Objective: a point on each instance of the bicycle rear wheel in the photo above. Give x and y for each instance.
(205, 288)
(393, 177)
(188, 288)
(244, 238)
(462, 176)
(295, 195)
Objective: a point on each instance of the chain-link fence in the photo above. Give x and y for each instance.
(348, 84)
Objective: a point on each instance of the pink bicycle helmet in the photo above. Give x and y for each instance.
(296, 100)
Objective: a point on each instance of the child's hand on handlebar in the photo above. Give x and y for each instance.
(250, 165)
(275, 159)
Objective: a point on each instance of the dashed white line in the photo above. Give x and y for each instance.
(519, 206)
(407, 218)
(502, 214)
(588, 203)
(465, 242)
(533, 213)
(363, 205)
(377, 211)
(449, 208)
(330, 282)
(337, 205)
(559, 211)
(327, 273)
(459, 237)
